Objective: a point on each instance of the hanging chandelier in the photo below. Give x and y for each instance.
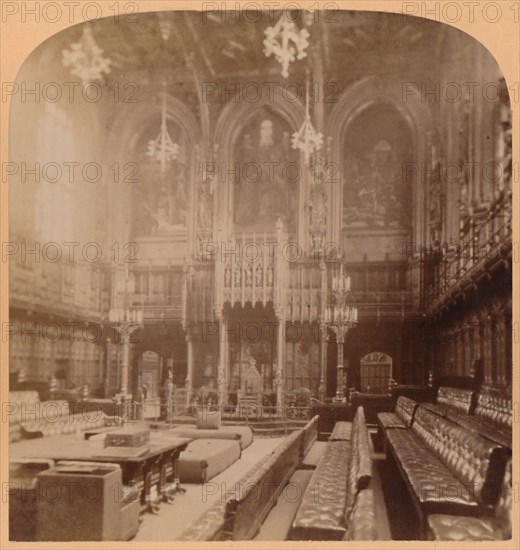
(286, 42)
(86, 58)
(306, 138)
(163, 149)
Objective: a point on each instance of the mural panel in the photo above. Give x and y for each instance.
(377, 188)
(266, 182)
(160, 204)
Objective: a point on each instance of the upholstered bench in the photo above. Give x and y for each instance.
(312, 449)
(250, 499)
(361, 524)
(72, 424)
(205, 458)
(327, 504)
(492, 418)
(248, 508)
(213, 524)
(45, 418)
(448, 470)
(401, 417)
(452, 402)
(321, 512)
(20, 405)
(313, 456)
(342, 431)
(243, 434)
(309, 435)
(444, 527)
(278, 523)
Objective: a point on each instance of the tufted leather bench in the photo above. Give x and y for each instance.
(68, 425)
(402, 416)
(443, 527)
(492, 418)
(31, 418)
(20, 403)
(342, 431)
(321, 512)
(453, 402)
(344, 470)
(448, 469)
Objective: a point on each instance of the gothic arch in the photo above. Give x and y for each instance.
(415, 113)
(125, 134)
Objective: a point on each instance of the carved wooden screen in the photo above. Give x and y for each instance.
(375, 372)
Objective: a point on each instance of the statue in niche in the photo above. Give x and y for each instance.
(263, 195)
(259, 272)
(205, 205)
(227, 276)
(317, 205)
(317, 211)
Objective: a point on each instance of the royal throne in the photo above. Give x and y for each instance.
(250, 394)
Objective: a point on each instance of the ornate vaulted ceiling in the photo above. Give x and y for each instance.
(345, 46)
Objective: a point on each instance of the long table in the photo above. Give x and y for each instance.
(142, 472)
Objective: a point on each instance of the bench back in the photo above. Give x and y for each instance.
(21, 403)
(321, 515)
(496, 407)
(476, 462)
(213, 524)
(504, 508)
(405, 409)
(362, 524)
(309, 435)
(360, 464)
(246, 511)
(456, 399)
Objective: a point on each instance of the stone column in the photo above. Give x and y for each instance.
(108, 371)
(280, 374)
(323, 331)
(223, 360)
(126, 362)
(189, 374)
(323, 361)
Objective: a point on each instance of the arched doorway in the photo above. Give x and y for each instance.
(375, 372)
(150, 369)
